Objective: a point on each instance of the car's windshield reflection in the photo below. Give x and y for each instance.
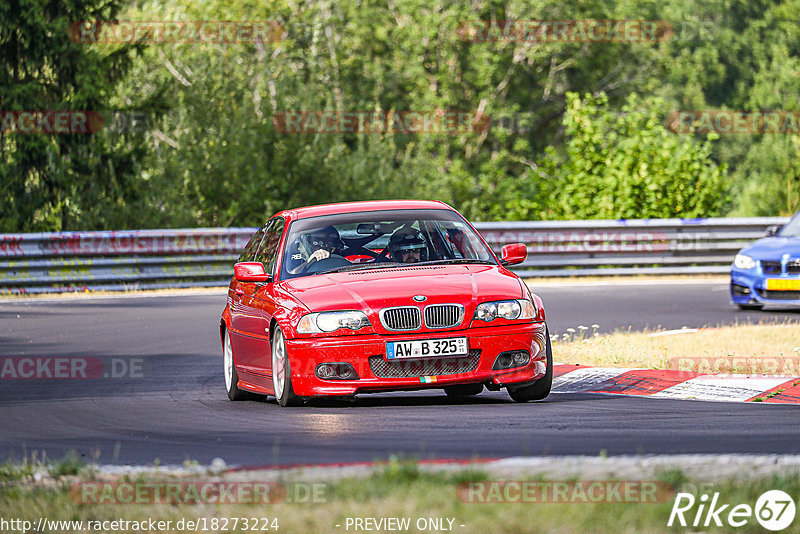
(384, 239)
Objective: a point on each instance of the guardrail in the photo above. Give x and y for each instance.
(153, 259)
(628, 247)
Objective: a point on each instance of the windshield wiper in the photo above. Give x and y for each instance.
(361, 267)
(385, 264)
(457, 260)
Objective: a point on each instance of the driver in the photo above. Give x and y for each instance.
(408, 245)
(319, 244)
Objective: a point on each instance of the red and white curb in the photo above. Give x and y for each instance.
(676, 384)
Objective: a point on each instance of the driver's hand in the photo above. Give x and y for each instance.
(319, 254)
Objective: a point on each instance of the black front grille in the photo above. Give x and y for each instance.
(431, 367)
(779, 295)
(443, 315)
(770, 267)
(406, 318)
(793, 267)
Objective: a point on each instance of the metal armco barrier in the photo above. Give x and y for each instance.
(628, 247)
(131, 259)
(152, 259)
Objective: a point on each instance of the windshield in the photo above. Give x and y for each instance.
(792, 228)
(380, 239)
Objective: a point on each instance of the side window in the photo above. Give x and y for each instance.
(268, 251)
(250, 249)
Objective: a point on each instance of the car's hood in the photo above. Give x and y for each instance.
(773, 248)
(381, 288)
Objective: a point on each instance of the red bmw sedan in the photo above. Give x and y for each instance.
(361, 297)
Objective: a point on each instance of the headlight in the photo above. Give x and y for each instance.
(315, 323)
(505, 309)
(743, 262)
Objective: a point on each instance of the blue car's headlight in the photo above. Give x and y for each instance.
(315, 323)
(742, 261)
(505, 309)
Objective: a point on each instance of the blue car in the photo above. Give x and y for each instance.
(768, 271)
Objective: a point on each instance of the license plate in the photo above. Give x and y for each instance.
(782, 284)
(425, 348)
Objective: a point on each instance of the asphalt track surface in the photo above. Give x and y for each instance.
(175, 409)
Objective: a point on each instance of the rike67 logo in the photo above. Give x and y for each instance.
(774, 510)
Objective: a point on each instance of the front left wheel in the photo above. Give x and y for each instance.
(282, 372)
(541, 388)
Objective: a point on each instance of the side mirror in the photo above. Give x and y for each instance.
(773, 230)
(514, 253)
(251, 271)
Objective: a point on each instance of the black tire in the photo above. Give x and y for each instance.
(750, 307)
(463, 390)
(284, 393)
(541, 388)
(229, 369)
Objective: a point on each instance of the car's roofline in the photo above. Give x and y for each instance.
(362, 206)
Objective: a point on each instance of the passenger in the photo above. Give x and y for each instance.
(408, 245)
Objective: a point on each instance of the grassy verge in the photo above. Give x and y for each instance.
(750, 349)
(399, 490)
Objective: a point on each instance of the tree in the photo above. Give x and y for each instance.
(629, 165)
(57, 181)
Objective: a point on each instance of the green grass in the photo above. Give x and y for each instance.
(70, 464)
(399, 488)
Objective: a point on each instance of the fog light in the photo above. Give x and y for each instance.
(511, 359)
(325, 371)
(740, 291)
(336, 371)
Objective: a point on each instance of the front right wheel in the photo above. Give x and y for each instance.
(282, 372)
(541, 388)
(231, 377)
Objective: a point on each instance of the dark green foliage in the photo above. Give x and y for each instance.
(214, 156)
(628, 165)
(65, 181)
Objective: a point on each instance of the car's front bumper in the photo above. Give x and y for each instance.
(306, 354)
(749, 287)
